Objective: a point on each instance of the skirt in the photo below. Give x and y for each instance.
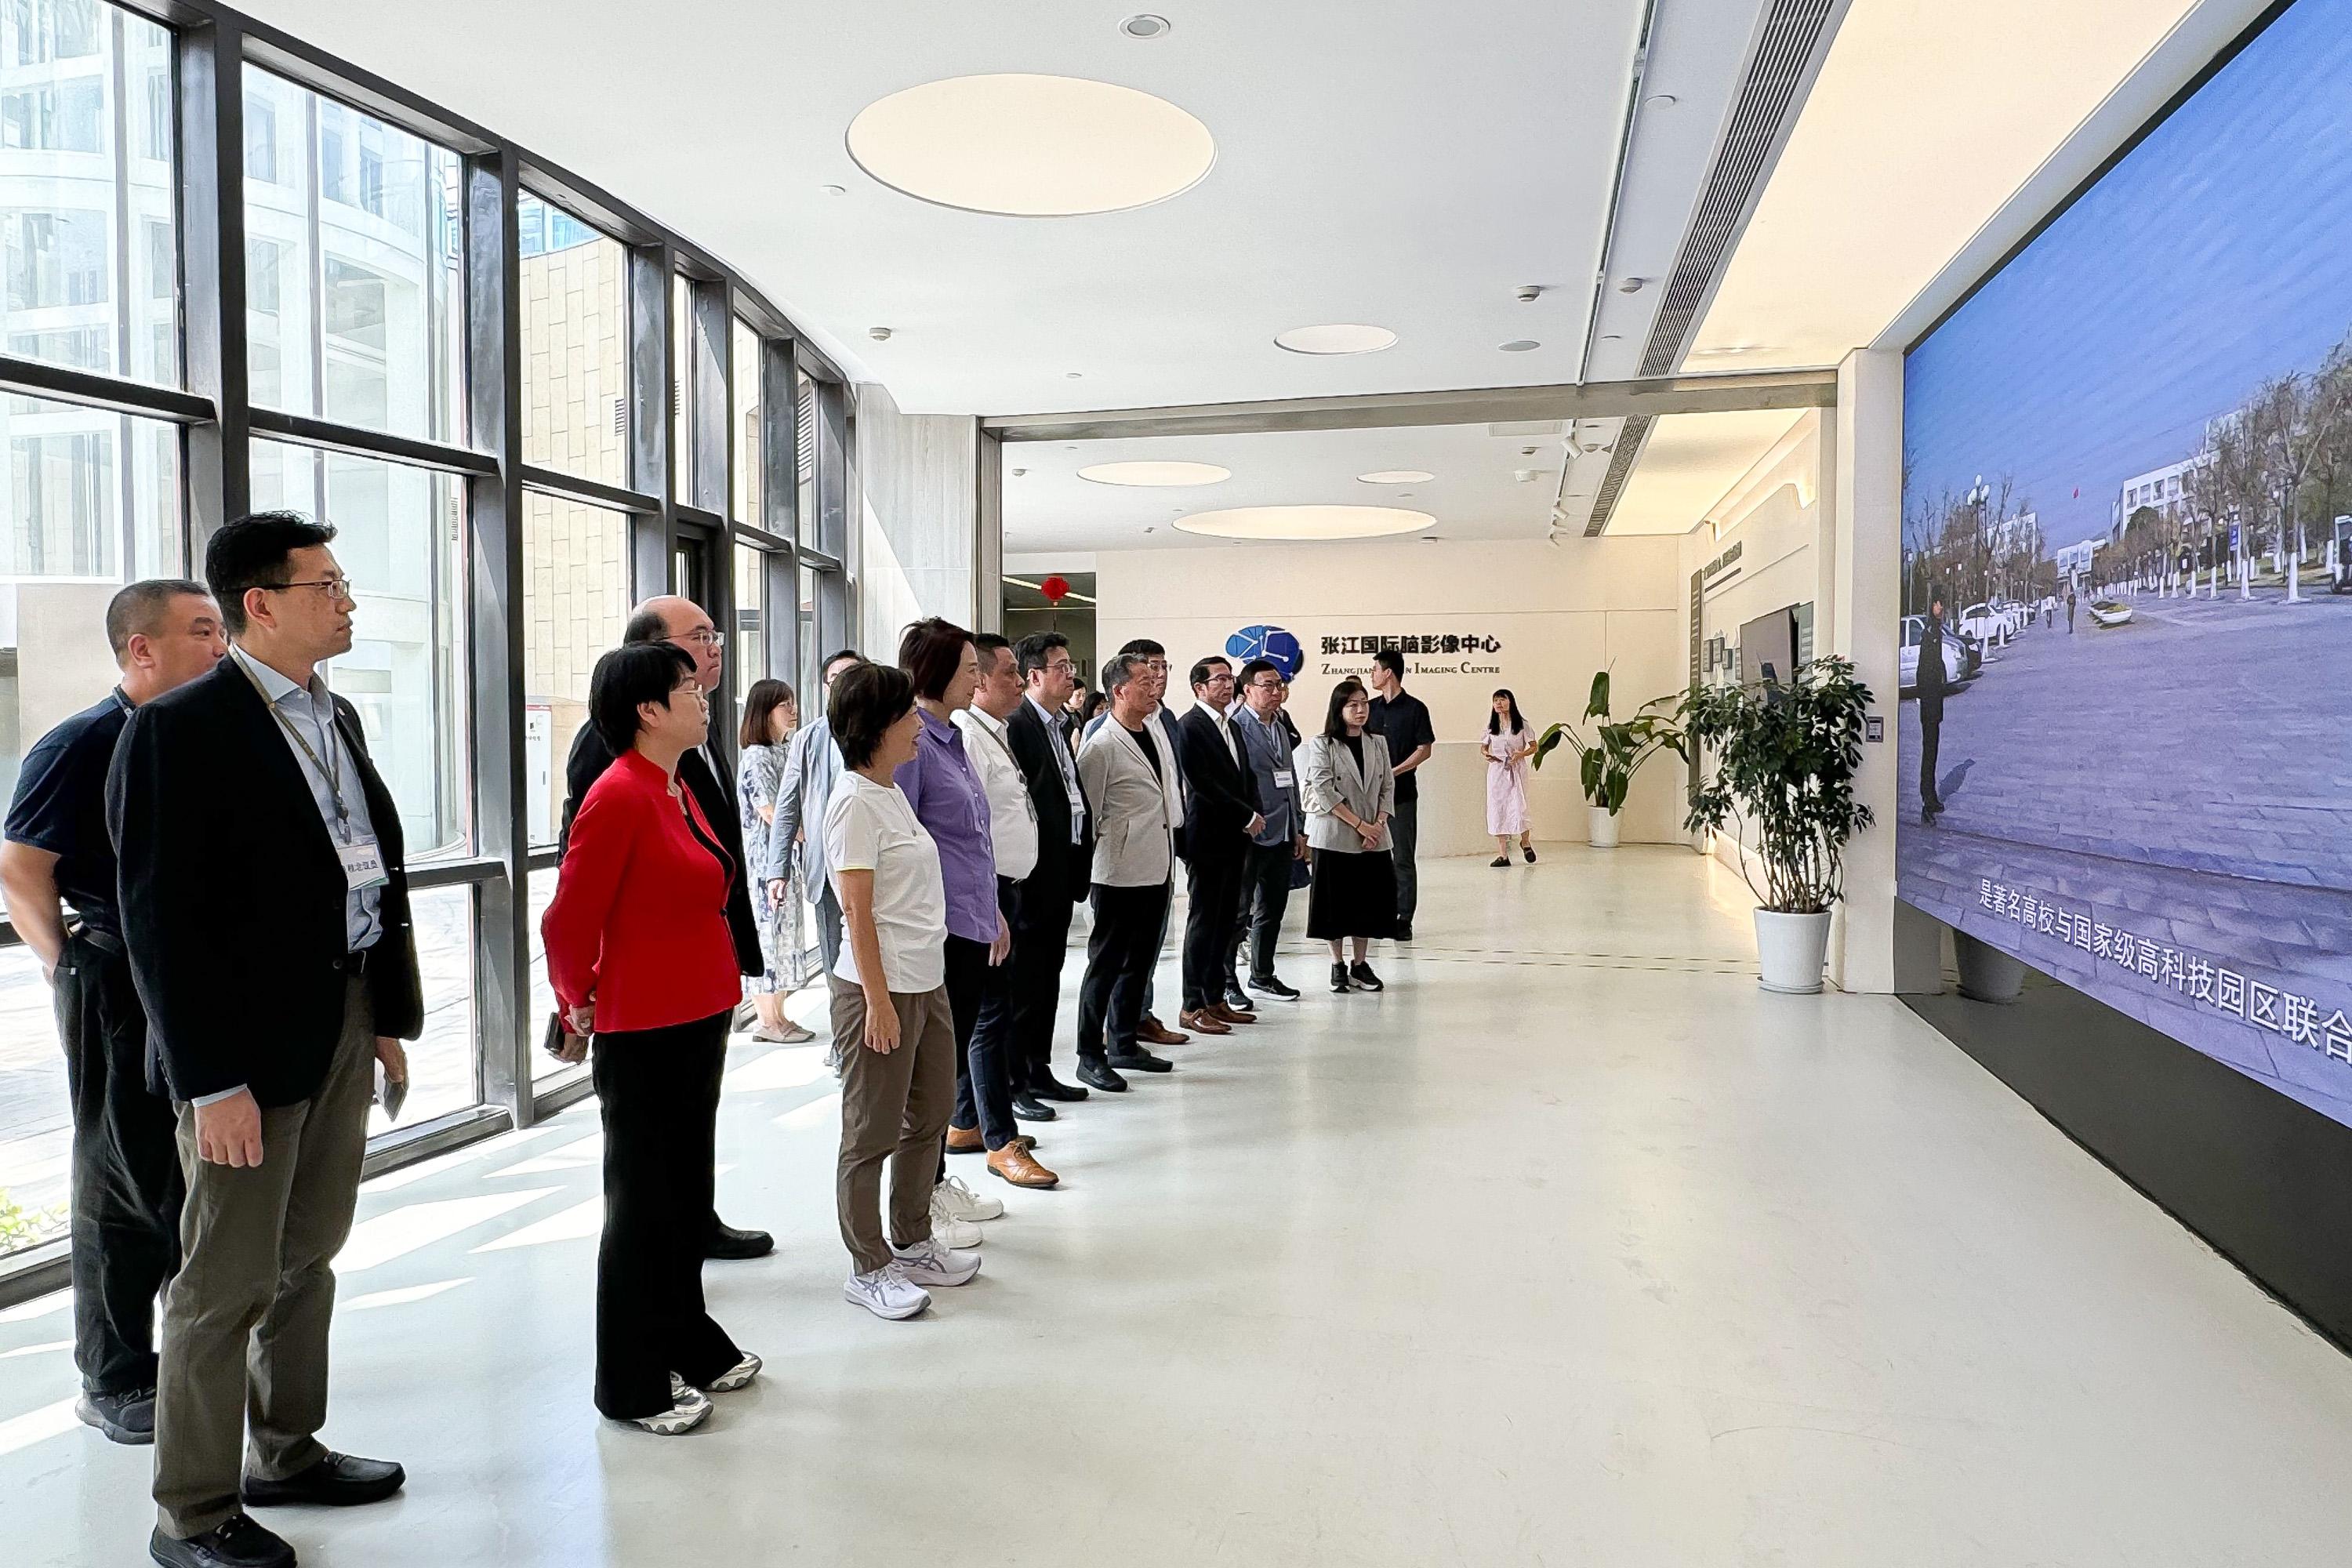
(1352, 895)
(784, 941)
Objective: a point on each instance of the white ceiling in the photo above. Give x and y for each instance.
(1690, 461)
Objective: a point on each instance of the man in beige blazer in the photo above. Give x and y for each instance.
(1129, 770)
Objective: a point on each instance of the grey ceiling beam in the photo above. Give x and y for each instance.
(1731, 393)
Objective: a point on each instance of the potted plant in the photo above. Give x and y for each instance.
(1612, 756)
(1785, 757)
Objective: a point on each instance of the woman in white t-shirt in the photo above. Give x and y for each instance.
(890, 1014)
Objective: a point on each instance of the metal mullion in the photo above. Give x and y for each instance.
(652, 416)
(760, 538)
(218, 450)
(571, 487)
(781, 626)
(780, 408)
(308, 65)
(709, 341)
(832, 477)
(495, 584)
(325, 435)
(695, 516)
(93, 389)
(462, 871)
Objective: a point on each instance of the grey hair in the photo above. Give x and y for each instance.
(1123, 669)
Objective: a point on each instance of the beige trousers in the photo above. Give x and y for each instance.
(893, 1108)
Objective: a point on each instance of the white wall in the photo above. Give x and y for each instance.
(919, 549)
(1560, 615)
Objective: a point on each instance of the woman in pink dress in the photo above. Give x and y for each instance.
(1509, 743)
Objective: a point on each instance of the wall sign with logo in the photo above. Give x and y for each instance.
(1473, 652)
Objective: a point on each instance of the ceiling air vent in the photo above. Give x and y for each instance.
(1527, 427)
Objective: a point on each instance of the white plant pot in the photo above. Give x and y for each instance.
(1789, 951)
(1600, 827)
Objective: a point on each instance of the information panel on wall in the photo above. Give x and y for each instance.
(2126, 648)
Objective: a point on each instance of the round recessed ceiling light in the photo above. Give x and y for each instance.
(833, 190)
(1144, 25)
(1074, 375)
(1395, 476)
(1031, 146)
(1338, 338)
(1661, 100)
(1306, 522)
(1156, 474)
(1520, 345)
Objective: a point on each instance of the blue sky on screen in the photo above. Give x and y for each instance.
(2217, 254)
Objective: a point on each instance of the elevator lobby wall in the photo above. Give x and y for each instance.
(1544, 618)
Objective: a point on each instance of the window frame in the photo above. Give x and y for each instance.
(213, 48)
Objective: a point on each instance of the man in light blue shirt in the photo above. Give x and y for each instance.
(306, 719)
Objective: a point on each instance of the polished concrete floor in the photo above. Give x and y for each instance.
(1573, 1248)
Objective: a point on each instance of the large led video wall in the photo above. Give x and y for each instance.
(2126, 716)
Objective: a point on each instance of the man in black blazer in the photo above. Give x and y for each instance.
(1220, 817)
(1065, 856)
(265, 912)
(686, 625)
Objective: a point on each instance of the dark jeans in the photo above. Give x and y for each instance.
(828, 924)
(983, 1031)
(1212, 886)
(126, 1185)
(659, 1093)
(1264, 900)
(1931, 734)
(1041, 940)
(1404, 835)
(1120, 952)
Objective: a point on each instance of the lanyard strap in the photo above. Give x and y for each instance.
(331, 771)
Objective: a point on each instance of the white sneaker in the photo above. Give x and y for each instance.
(931, 1262)
(960, 1234)
(887, 1293)
(960, 1202)
(738, 1376)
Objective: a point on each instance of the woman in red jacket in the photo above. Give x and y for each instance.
(639, 955)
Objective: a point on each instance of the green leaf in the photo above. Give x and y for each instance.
(1547, 741)
(1597, 707)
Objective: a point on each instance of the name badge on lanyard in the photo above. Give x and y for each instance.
(1281, 778)
(362, 865)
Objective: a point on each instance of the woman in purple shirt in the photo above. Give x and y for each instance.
(952, 804)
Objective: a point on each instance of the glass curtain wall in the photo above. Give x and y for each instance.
(504, 480)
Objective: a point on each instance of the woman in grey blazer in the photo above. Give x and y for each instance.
(1350, 794)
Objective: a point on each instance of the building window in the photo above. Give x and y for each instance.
(747, 643)
(574, 345)
(747, 428)
(575, 599)
(260, 137)
(681, 377)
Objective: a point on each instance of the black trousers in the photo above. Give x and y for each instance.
(1931, 735)
(1120, 952)
(126, 1187)
(1404, 837)
(1041, 941)
(979, 1000)
(1212, 889)
(659, 1093)
(1264, 900)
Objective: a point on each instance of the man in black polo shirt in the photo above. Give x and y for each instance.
(1403, 722)
(126, 1182)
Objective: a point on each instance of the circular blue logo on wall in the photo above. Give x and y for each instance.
(1272, 644)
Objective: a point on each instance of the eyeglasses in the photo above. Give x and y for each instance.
(332, 587)
(704, 636)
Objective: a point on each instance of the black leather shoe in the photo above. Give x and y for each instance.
(1048, 1087)
(733, 1245)
(239, 1542)
(1141, 1061)
(1404, 930)
(1099, 1075)
(339, 1480)
(1026, 1108)
(1273, 986)
(126, 1416)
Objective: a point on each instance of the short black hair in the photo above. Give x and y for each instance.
(866, 702)
(1200, 676)
(851, 654)
(644, 626)
(928, 651)
(985, 644)
(136, 607)
(1145, 647)
(1035, 651)
(1334, 722)
(251, 551)
(1392, 661)
(1255, 668)
(629, 675)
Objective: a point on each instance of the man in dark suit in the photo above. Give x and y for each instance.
(686, 625)
(1932, 682)
(1065, 869)
(265, 912)
(1221, 817)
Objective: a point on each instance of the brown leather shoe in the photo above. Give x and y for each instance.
(1152, 1032)
(1016, 1165)
(1230, 1016)
(965, 1139)
(1201, 1022)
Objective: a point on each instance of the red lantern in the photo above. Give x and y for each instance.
(1054, 588)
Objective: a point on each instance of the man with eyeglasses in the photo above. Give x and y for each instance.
(57, 866)
(265, 911)
(1154, 658)
(1281, 839)
(1064, 873)
(686, 625)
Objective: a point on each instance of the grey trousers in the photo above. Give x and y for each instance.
(246, 1320)
(828, 924)
(894, 1109)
